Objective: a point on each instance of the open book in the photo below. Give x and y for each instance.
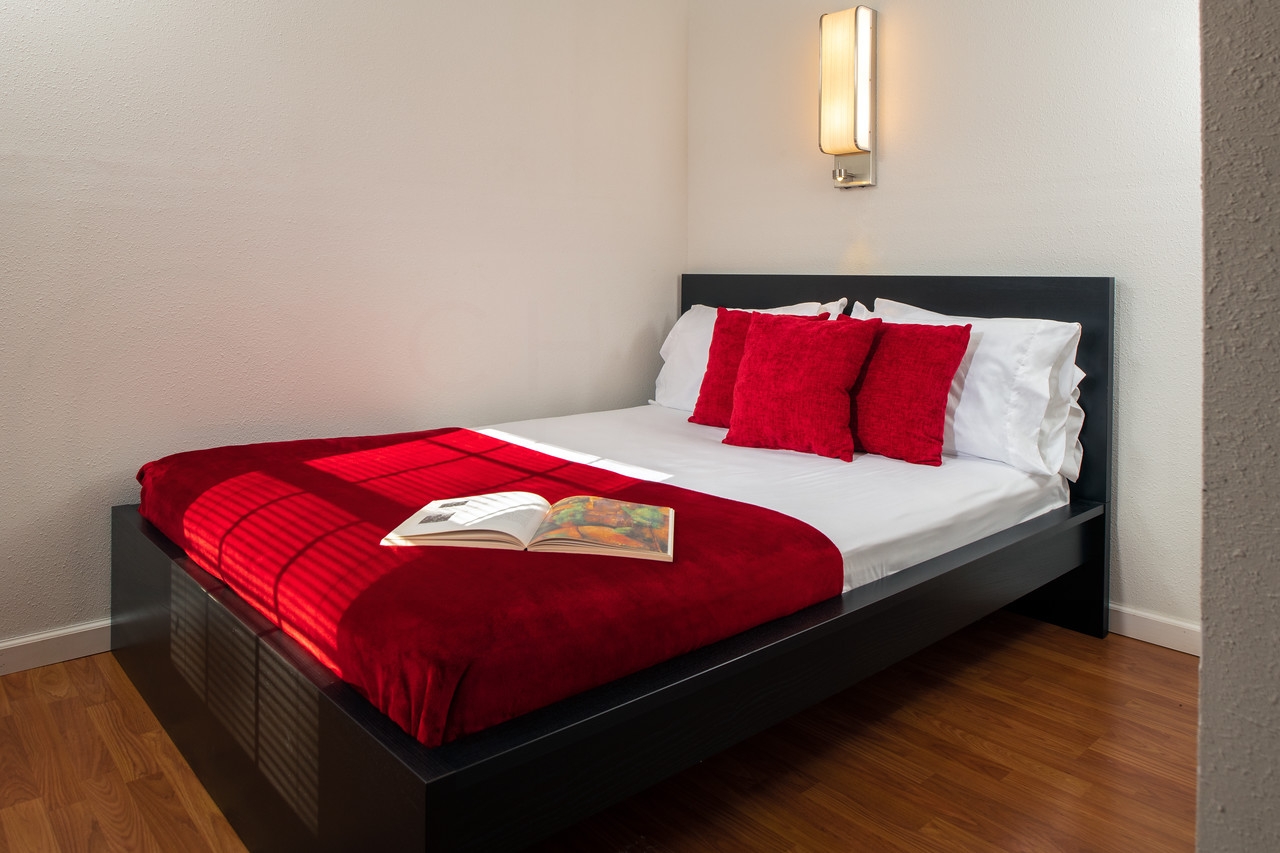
(525, 521)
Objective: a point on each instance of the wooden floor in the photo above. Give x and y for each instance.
(84, 766)
(1010, 736)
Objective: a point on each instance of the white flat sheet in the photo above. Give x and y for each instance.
(883, 514)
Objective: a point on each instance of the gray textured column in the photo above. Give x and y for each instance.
(1239, 786)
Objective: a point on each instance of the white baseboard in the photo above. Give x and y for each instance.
(46, 647)
(1161, 630)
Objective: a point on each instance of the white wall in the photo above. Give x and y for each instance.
(224, 222)
(1015, 138)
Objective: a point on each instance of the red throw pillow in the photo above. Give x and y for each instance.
(715, 396)
(794, 383)
(900, 401)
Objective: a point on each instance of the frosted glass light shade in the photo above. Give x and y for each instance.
(846, 102)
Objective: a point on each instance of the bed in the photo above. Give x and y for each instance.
(297, 759)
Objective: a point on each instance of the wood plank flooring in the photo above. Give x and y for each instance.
(1009, 736)
(85, 767)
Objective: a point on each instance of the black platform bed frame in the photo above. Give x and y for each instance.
(297, 760)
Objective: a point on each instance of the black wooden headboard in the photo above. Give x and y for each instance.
(1087, 301)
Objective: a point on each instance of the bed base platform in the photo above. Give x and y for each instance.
(297, 760)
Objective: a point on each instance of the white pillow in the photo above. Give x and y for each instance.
(684, 352)
(1015, 395)
(1074, 455)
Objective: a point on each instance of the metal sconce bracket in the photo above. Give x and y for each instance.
(854, 170)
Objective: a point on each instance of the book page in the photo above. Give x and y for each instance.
(604, 525)
(499, 518)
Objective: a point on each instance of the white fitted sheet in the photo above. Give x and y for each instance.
(883, 514)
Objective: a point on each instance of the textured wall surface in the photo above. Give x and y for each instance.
(236, 221)
(1239, 800)
(1015, 138)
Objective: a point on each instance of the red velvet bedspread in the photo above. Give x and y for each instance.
(447, 641)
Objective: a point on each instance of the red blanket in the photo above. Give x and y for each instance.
(447, 641)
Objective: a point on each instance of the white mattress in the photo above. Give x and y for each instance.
(883, 514)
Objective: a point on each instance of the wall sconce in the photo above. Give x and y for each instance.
(846, 95)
